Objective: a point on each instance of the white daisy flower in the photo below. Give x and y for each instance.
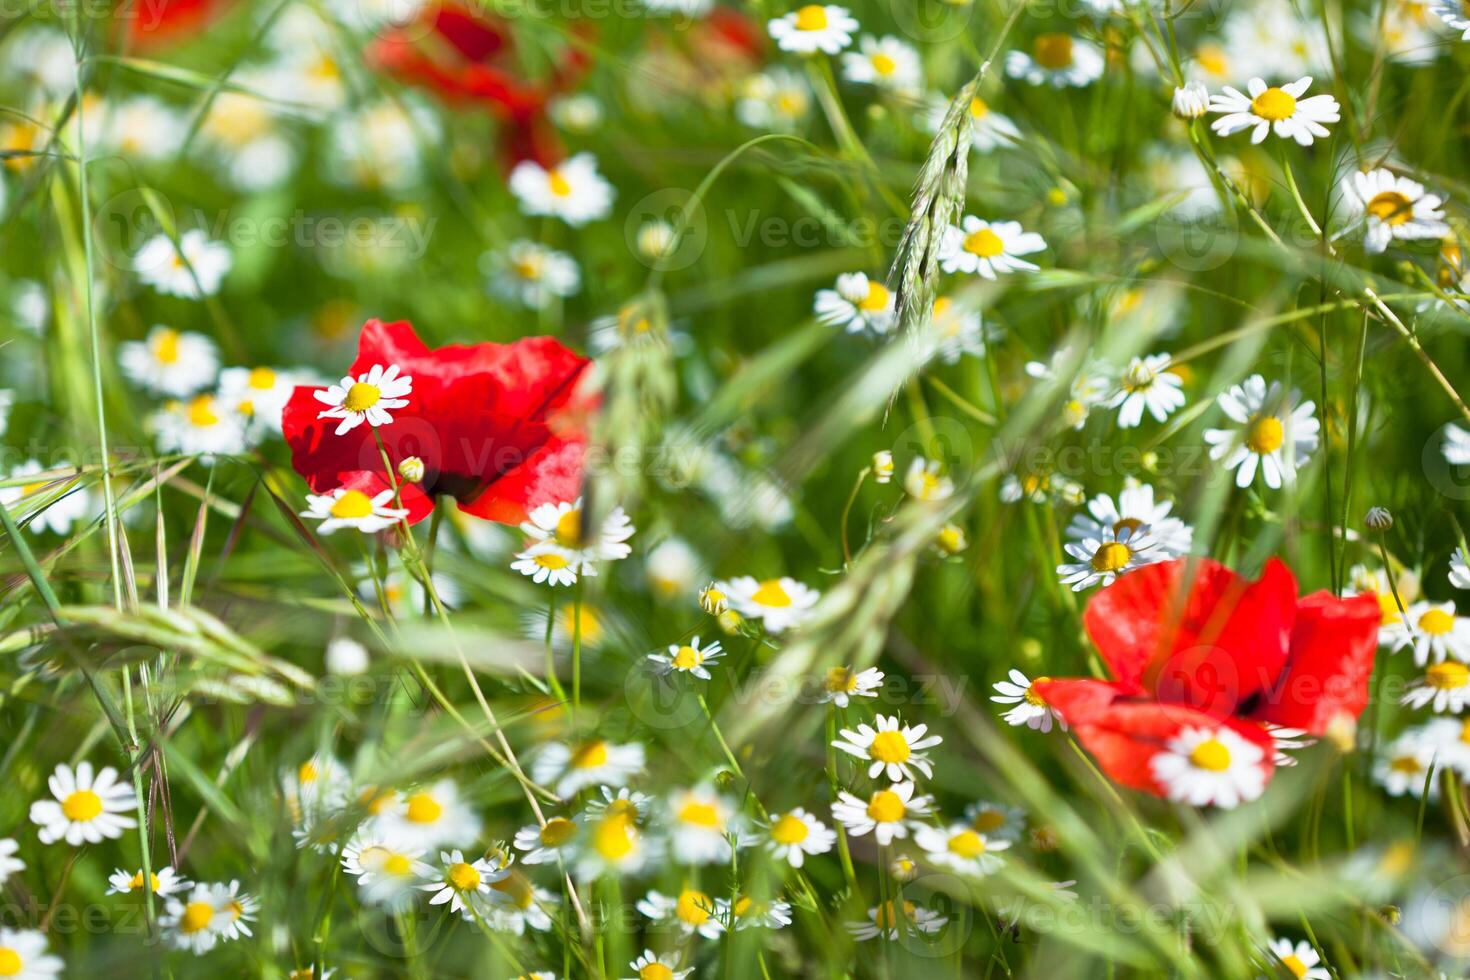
(387, 875)
(1147, 383)
(377, 146)
(779, 603)
(169, 362)
(1102, 559)
(142, 128)
(202, 426)
(988, 249)
(43, 57)
(954, 331)
(688, 658)
(996, 821)
(165, 882)
(463, 884)
(520, 905)
(1030, 710)
(1449, 740)
(193, 269)
(23, 955)
(988, 129)
(57, 501)
(1058, 60)
(886, 814)
(1445, 687)
(651, 967)
(793, 835)
(210, 914)
(693, 912)
(1432, 630)
(1300, 960)
(628, 801)
(1456, 446)
(368, 398)
(892, 747)
(924, 480)
(546, 563)
(613, 845)
(429, 817)
(842, 684)
(572, 190)
(318, 786)
(1210, 767)
(1459, 570)
(9, 863)
(884, 921)
(258, 394)
(699, 822)
(959, 847)
(1392, 207)
(1454, 14)
(886, 63)
(1135, 508)
(85, 808)
(559, 526)
(345, 657)
(1404, 766)
(1276, 434)
(1285, 740)
(777, 99)
(1281, 110)
(354, 509)
(856, 304)
(752, 913)
(814, 28)
(673, 568)
(549, 842)
(531, 274)
(570, 768)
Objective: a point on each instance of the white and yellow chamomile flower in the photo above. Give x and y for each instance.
(352, 508)
(841, 684)
(1281, 110)
(692, 912)
(910, 919)
(688, 658)
(548, 842)
(387, 874)
(812, 28)
(1210, 767)
(568, 768)
(857, 304)
(795, 834)
(893, 748)
(1101, 559)
(1136, 506)
(650, 966)
(192, 268)
(1146, 384)
(886, 63)
(960, 847)
(24, 955)
(203, 425)
(571, 190)
(699, 821)
(531, 274)
(165, 882)
(779, 604)
(1392, 207)
(463, 883)
(169, 362)
(1277, 432)
(887, 813)
(1433, 631)
(1029, 707)
(1444, 688)
(1057, 59)
(86, 807)
(988, 248)
(371, 397)
(1300, 959)
(430, 816)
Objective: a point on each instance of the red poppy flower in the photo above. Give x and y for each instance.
(1194, 647)
(499, 427)
(150, 24)
(467, 57)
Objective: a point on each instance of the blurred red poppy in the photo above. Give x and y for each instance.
(500, 427)
(468, 57)
(1192, 645)
(149, 24)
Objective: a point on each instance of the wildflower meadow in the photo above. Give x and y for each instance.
(672, 489)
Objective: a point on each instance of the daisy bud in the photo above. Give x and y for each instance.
(346, 657)
(712, 600)
(412, 469)
(655, 239)
(1192, 101)
(882, 466)
(1045, 839)
(951, 539)
(903, 868)
(730, 621)
(1391, 914)
(1378, 519)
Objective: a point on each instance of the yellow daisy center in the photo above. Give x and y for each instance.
(1053, 51)
(551, 560)
(811, 18)
(1211, 754)
(1265, 435)
(166, 346)
(136, 882)
(655, 971)
(423, 808)
(1127, 524)
(1406, 764)
(397, 864)
(590, 756)
(1032, 698)
(1436, 622)
(1391, 208)
(361, 397)
(967, 844)
(1448, 676)
(978, 109)
(1295, 965)
(886, 806)
(201, 412)
(82, 806)
(693, 907)
(528, 266)
(789, 830)
(10, 962)
(876, 300)
(984, 243)
(560, 186)
(1274, 104)
(885, 918)
(558, 831)
(687, 658)
(700, 815)
(883, 64)
(352, 505)
(771, 593)
(842, 679)
(196, 917)
(262, 378)
(989, 821)
(1213, 59)
(889, 747)
(1111, 557)
(613, 838)
(464, 877)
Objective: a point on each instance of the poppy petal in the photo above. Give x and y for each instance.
(1332, 649)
